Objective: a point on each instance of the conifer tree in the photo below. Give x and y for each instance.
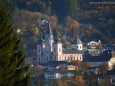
(12, 69)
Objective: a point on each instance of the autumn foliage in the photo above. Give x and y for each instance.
(57, 82)
(79, 81)
(76, 63)
(103, 68)
(88, 64)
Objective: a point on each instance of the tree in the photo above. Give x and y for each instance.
(79, 81)
(39, 83)
(36, 31)
(57, 82)
(103, 68)
(12, 69)
(68, 7)
(76, 63)
(65, 83)
(88, 64)
(105, 81)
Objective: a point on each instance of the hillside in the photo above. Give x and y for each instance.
(81, 17)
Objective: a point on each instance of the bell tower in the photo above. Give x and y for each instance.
(57, 46)
(48, 37)
(77, 44)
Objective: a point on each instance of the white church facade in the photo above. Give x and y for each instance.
(49, 47)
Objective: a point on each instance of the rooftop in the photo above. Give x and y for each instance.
(71, 51)
(101, 58)
(77, 40)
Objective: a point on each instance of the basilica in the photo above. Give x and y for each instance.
(50, 48)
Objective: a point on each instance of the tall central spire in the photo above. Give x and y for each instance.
(48, 28)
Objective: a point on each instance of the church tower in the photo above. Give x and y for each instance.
(48, 37)
(57, 46)
(77, 44)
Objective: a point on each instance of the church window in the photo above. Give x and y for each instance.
(59, 49)
(34, 60)
(81, 58)
(77, 58)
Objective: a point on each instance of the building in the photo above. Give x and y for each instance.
(94, 44)
(112, 60)
(50, 48)
(107, 57)
(31, 58)
(52, 74)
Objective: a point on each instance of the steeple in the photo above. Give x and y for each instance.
(56, 39)
(77, 40)
(40, 40)
(48, 28)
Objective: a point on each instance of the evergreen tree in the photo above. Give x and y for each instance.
(39, 83)
(12, 69)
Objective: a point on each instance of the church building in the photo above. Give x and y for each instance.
(50, 48)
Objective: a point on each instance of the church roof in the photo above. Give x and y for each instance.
(102, 58)
(77, 40)
(71, 51)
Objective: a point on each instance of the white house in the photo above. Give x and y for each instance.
(58, 74)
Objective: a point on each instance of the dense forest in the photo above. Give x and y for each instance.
(70, 17)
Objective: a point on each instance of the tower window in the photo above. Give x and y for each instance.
(59, 49)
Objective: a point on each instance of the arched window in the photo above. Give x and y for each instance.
(59, 49)
(74, 57)
(65, 58)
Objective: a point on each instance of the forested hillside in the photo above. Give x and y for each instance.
(81, 17)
